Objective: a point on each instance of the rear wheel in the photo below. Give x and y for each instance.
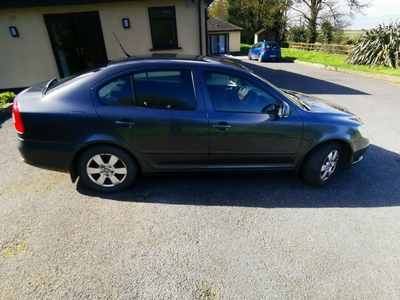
(322, 163)
(260, 58)
(107, 168)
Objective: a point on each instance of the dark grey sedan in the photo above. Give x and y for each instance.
(172, 114)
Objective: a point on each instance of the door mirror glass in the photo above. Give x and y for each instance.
(284, 110)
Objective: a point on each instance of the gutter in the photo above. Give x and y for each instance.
(200, 32)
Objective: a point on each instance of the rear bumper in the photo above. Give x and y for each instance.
(271, 56)
(46, 155)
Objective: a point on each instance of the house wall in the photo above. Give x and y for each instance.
(28, 59)
(234, 41)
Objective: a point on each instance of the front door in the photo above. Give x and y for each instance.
(77, 41)
(244, 129)
(218, 43)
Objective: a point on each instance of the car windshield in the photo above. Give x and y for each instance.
(271, 45)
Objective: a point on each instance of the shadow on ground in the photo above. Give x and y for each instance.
(297, 82)
(3, 119)
(374, 182)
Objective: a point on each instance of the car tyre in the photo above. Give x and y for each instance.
(107, 168)
(322, 163)
(260, 59)
(249, 56)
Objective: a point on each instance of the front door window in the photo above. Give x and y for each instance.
(244, 127)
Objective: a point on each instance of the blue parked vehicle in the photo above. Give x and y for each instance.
(265, 50)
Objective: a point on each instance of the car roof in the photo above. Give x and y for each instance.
(160, 56)
(270, 42)
(172, 58)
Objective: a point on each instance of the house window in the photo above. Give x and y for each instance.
(163, 27)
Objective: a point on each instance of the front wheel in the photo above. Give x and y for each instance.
(321, 164)
(249, 56)
(107, 168)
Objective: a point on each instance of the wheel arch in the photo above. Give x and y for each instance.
(345, 162)
(73, 165)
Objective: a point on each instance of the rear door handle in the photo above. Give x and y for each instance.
(126, 124)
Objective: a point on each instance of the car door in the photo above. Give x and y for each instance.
(156, 110)
(245, 131)
(253, 51)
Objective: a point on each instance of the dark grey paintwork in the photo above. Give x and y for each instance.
(69, 117)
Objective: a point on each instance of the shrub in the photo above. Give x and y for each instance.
(377, 47)
(6, 97)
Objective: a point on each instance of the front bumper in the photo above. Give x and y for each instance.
(360, 149)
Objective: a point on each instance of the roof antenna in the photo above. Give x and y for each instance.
(127, 55)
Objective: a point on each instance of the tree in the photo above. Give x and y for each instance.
(327, 32)
(219, 9)
(378, 47)
(335, 11)
(253, 15)
(297, 34)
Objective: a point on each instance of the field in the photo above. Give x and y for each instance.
(332, 60)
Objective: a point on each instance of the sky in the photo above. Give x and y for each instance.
(380, 12)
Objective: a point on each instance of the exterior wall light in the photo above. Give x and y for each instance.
(14, 31)
(126, 23)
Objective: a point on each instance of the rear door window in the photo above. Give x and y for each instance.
(118, 92)
(166, 89)
(160, 89)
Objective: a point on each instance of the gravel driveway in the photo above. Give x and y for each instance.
(224, 236)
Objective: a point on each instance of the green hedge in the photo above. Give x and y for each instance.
(6, 97)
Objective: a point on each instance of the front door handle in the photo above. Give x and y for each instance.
(222, 126)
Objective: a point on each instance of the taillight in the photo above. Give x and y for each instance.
(19, 126)
(264, 50)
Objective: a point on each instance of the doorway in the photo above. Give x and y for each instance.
(218, 43)
(77, 41)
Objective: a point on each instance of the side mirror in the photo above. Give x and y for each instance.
(284, 110)
(233, 81)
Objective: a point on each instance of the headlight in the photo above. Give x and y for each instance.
(363, 131)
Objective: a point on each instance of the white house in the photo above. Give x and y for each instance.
(44, 39)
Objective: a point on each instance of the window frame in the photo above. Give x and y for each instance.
(154, 20)
(182, 84)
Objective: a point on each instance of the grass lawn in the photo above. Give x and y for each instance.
(332, 60)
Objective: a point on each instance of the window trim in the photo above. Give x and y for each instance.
(152, 22)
